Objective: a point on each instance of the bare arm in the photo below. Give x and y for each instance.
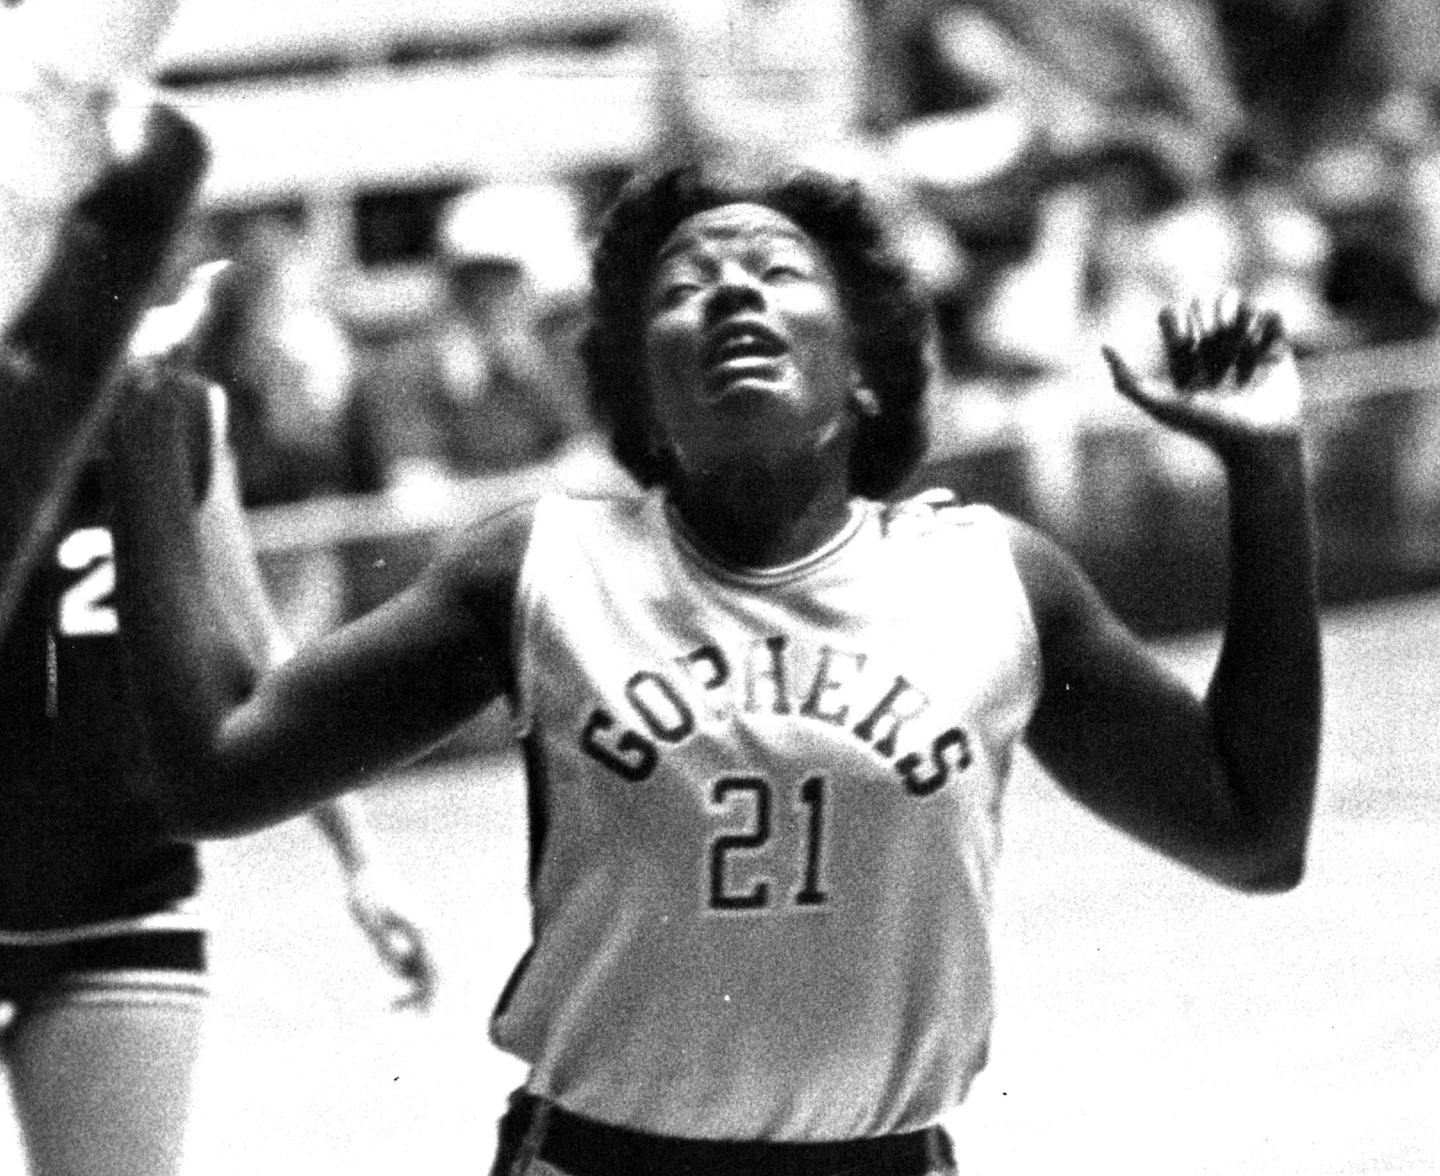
(244, 746)
(1223, 783)
(372, 893)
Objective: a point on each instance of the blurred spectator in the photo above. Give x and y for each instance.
(760, 86)
(1094, 158)
(753, 83)
(1087, 76)
(490, 383)
(1378, 190)
(1039, 129)
(1341, 97)
(1306, 70)
(287, 364)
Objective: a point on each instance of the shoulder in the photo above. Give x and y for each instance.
(590, 514)
(938, 511)
(490, 547)
(490, 554)
(1053, 581)
(1063, 599)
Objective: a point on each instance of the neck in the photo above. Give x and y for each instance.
(761, 518)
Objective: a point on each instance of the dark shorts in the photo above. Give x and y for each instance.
(29, 968)
(533, 1129)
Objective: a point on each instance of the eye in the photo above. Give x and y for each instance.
(785, 271)
(673, 293)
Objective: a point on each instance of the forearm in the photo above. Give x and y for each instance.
(1265, 696)
(342, 822)
(188, 662)
(60, 62)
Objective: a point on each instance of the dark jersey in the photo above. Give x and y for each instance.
(80, 840)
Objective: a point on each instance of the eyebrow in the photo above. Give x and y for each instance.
(678, 244)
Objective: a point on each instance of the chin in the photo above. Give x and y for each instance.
(749, 396)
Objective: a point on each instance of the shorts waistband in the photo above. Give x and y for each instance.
(536, 1128)
(167, 949)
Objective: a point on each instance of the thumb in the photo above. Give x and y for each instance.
(1123, 376)
(1147, 395)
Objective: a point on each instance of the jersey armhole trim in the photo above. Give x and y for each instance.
(527, 602)
(1024, 607)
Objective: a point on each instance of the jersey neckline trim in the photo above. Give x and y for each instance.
(760, 577)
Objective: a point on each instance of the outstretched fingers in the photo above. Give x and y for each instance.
(1217, 341)
(1225, 361)
(1178, 339)
(1226, 340)
(1264, 341)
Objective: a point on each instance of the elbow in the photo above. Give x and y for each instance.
(191, 825)
(193, 808)
(186, 821)
(1276, 874)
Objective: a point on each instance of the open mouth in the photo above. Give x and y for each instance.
(741, 349)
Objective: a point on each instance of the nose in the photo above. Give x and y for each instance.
(735, 290)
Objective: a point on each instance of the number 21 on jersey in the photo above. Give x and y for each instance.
(752, 797)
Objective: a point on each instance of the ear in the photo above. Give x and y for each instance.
(863, 401)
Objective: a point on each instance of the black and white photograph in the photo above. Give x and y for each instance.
(720, 587)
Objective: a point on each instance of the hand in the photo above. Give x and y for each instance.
(396, 937)
(1232, 379)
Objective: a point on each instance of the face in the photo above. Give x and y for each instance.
(747, 344)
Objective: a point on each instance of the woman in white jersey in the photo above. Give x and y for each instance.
(767, 715)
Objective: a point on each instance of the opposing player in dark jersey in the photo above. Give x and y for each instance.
(102, 948)
(767, 714)
(92, 188)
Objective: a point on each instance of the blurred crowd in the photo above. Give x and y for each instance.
(1056, 169)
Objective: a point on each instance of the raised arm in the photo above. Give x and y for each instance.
(1223, 783)
(58, 354)
(61, 65)
(240, 745)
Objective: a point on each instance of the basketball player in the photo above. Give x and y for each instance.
(102, 954)
(92, 187)
(767, 715)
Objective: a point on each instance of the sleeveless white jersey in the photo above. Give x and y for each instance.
(766, 810)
